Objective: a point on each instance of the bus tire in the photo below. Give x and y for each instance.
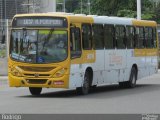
(35, 91)
(84, 90)
(132, 79)
(122, 84)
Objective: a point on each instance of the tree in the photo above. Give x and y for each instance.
(121, 8)
(157, 13)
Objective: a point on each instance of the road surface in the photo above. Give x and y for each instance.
(145, 98)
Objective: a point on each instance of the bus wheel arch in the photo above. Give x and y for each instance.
(136, 67)
(90, 71)
(133, 77)
(131, 83)
(87, 82)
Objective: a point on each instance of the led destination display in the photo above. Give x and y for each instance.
(39, 22)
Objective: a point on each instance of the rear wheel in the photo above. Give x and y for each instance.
(35, 91)
(86, 85)
(132, 80)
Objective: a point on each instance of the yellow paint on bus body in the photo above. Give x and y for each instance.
(34, 76)
(144, 23)
(139, 52)
(38, 75)
(145, 52)
(88, 56)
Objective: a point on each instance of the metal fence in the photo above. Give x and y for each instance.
(4, 40)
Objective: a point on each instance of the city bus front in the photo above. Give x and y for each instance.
(39, 53)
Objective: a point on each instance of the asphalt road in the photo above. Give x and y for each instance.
(145, 98)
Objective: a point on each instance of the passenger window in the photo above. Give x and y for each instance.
(154, 41)
(120, 37)
(86, 37)
(130, 39)
(75, 43)
(109, 36)
(98, 36)
(140, 37)
(149, 37)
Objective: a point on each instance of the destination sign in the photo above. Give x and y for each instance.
(39, 22)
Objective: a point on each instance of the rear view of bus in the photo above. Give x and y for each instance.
(38, 55)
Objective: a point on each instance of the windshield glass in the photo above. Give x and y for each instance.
(38, 46)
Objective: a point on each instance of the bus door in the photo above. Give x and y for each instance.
(76, 56)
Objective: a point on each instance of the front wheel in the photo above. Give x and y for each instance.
(84, 90)
(35, 91)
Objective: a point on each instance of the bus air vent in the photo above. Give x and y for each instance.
(32, 81)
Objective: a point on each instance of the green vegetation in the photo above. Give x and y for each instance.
(122, 8)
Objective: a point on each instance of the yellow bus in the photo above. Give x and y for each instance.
(60, 50)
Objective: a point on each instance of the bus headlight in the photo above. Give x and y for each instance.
(15, 72)
(60, 73)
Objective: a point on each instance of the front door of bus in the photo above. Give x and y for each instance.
(76, 57)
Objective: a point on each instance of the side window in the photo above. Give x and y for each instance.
(120, 37)
(130, 39)
(75, 42)
(109, 36)
(154, 40)
(98, 36)
(140, 37)
(149, 37)
(86, 37)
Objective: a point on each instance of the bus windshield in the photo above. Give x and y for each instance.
(38, 46)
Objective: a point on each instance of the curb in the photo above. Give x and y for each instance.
(3, 80)
(3, 77)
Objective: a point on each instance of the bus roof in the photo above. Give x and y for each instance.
(73, 18)
(94, 19)
(113, 20)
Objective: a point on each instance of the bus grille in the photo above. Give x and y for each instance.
(39, 75)
(32, 81)
(36, 69)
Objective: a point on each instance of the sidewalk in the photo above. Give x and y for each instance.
(3, 80)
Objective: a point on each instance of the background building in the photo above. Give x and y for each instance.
(8, 8)
(48, 6)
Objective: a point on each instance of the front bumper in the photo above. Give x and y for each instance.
(61, 82)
